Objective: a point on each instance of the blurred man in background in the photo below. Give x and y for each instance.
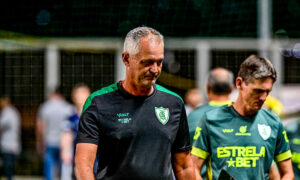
(80, 93)
(50, 118)
(218, 88)
(241, 141)
(192, 99)
(10, 130)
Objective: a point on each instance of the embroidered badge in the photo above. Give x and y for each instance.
(264, 131)
(162, 114)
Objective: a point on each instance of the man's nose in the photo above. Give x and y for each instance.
(264, 96)
(154, 68)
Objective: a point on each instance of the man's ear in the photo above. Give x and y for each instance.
(238, 82)
(125, 58)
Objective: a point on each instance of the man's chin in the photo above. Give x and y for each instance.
(256, 108)
(149, 82)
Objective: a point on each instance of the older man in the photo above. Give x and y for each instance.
(137, 129)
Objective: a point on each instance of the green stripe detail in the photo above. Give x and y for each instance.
(199, 152)
(160, 88)
(102, 91)
(220, 103)
(283, 156)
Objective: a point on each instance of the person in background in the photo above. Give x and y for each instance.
(219, 85)
(80, 93)
(241, 141)
(218, 88)
(10, 129)
(50, 118)
(192, 99)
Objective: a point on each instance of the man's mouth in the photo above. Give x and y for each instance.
(150, 77)
(259, 103)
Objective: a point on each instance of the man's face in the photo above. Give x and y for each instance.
(79, 96)
(255, 93)
(145, 67)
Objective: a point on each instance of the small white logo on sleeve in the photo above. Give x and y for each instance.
(264, 131)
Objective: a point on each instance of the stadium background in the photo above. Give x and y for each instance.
(62, 43)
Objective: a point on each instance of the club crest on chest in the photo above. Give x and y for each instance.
(264, 131)
(162, 114)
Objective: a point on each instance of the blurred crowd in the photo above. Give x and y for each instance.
(56, 128)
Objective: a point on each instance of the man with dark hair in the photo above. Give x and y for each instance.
(137, 129)
(240, 141)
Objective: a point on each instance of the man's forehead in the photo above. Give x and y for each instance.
(148, 46)
(267, 79)
(150, 40)
(261, 83)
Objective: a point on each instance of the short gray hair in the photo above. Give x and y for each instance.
(255, 67)
(131, 43)
(220, 83)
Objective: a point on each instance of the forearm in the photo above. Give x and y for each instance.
(198, 174)
(198, 164)
(183, 166)
(66, 147)
(286, 169)
(287, 177)
(84, 172)
(187, 173)
(274, 173)
(84, 161)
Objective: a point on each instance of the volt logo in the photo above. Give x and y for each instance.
(227, 130)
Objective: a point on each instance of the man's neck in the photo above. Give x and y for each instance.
(213, 97)
(78, 109)
(136, 90)
(241, 108)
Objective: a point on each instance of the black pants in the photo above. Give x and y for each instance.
(9, 165)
